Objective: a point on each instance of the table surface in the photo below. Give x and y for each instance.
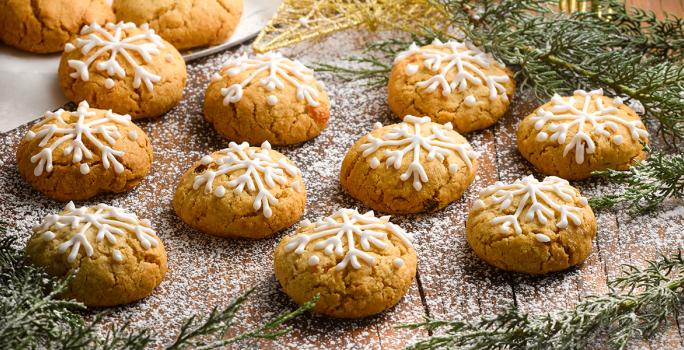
(452, 282)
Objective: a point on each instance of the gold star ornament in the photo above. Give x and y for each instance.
(298, 20)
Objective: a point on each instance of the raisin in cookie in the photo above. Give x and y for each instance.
(241, 191)
(184, 23)
(415, 166)
(78, 155)
(266, 98)
(450, 82)
(116, 257)
(359, 264)
(128, 69)
(572, 136)
(44, 26)
(530, 226)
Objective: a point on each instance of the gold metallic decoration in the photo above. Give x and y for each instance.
(570, 6)
(299, 20)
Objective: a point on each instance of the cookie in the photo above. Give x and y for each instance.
(44, 26)
(78, 155)
(450, 82)
(359, 264)
(415, 166)
(184, 23)
(530, 226)
(266, 98)
(116, 257)
(241, 191)
(128, 69)
(572, 136)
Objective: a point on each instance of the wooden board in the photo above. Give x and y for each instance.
(452, 283)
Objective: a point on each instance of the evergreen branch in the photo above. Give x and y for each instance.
(648, 182)
(32, 315)
(639, 303)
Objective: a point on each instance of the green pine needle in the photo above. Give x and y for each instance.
(648, 183)
(639, 303)
(32, 316)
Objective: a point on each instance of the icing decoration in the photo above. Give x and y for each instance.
(337, 234)
(535, 202)
(415, 136)
(278, 71)
(455, 66)
(79, 130)
(260, 173)
(105, 221)
(105, 41)
(562, 116)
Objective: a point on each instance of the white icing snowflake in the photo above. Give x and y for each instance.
(108, 221)
(279, 69)
(260, 173)
(99, 41)
(563, 116)
(536, 201)
(456, 65)
(79, 130)
(411, 139)
(329, 235)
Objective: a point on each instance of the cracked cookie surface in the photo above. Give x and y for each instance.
(382, 170)
(44, 26)
(184, 23)
(118, 257)
(379, 277)
(530, 226)
(450, 82)
(572, 136)
(241, 191)
(81, 154)
(266, 98)
(128, 69)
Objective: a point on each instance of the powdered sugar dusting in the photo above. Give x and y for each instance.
(205, 271)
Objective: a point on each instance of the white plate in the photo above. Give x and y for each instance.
(29, 86)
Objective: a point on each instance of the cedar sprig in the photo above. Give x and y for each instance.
(33, 316)
(648, 183)
(639, 303)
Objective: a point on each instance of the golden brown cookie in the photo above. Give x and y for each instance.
(241, 191)
(358, 263)
(124, 68)
(184, 23)
(415, 166)
(450, 82)
(266, 98)
(78, 155)
(572, 136)
(117, 258)
(530, 226)
(44, 26)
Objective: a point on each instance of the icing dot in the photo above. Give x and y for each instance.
(133, 135)
(398, 262)
(453, 168)
(30, 135)
(374, 163)
(303, 21)
(117, 256)
(296, 186)
(542, 136)
(48, 235)
(617, 139)
(220, 191)
(216, 77)
(479, 204)
(470, 101)
(109, 83)
(449, 126)
(168, 57)
(69, 47)
(146, 222)
(306, 222)
(583, 201)
(314, 260)
(206, 160)
(266, 145)
(84, 168)
(542, 237)
(411, 69)
(377, 125)
(272, 100)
